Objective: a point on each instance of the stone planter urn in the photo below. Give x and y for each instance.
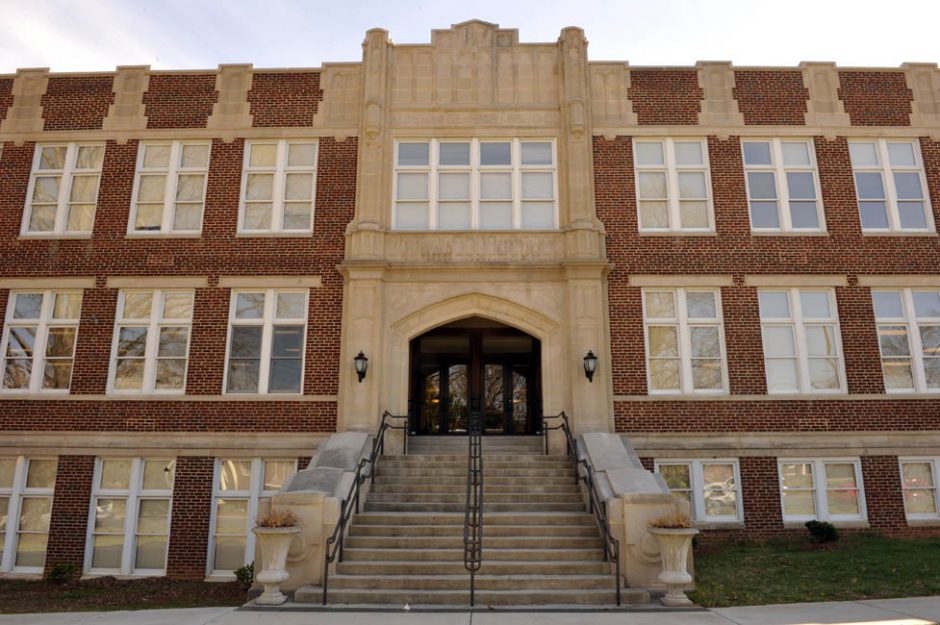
(674, 545)
(274, 543)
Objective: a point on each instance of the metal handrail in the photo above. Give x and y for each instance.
(333, 549)
(473, 515)
(584, 473)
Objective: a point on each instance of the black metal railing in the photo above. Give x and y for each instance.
(473, 516)
(584, 473)
(333, 550)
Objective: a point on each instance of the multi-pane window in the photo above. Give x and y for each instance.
(909, 337)
(151, 341)
(26, 488)
(278, 186)
(170, 188)
(266, 341)
(673, 186)
(825, 490)
(890, 185)
(39, 340)
(63, 189)
(782, 187)
(710, 486)
(129, 525)
(920, 487)
(239, 484)
(684, 341)
(475, 185)
(802, 342)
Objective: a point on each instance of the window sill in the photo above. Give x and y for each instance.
(220, 578)
(122, 576)
(163, 235)
(273, 235)
(678, 233)
(900, 233)
(861, 524)
(46, 236)
(189, 398)
(789, 233)
(719, 525)
(786, 397)
(923, 522)
(20, 575)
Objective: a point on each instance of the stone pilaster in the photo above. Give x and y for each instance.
(610, 101)
(232, 111)
(26, 113)
(719, 108)
(128, 112)
(924, 81)
(824, 108)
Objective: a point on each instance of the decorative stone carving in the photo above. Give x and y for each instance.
(474, 247)
(924, 81)
(128, 111)
(232, 110)
(26, 113)
(342, 94)
(610, 102)
(824, 108)
(719, 108)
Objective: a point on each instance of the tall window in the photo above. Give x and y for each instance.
(890, 185)
(63, 189)
(909, 337)
(170, 187)
(684, 341)
(26, 488)
(151, 341)
(475, 185)
(920, 487)
(129, 528)
(266, 341)
(825, 490)
(39, 340)
(673, 186)
(782, 185)
(710, 486)
(278, 186)
(239, 484)
(802, 342)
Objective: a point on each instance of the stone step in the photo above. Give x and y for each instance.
(517, 518)
(423, 532)
(520, 471)
(548, 462)
(399, 506)
(483, 582)
(490, 480)
(488, 497)
(567, 486)
(357, 540)
(488, 457)
(484, 598)
(454, 555)
(487, 567)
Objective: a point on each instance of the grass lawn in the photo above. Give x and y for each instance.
(108, 593)
(857, 567)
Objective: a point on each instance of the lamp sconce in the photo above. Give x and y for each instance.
(362, 365)
(590, 365)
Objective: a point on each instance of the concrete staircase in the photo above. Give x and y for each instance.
(540, 545)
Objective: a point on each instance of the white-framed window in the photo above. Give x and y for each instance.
(26, 489)
(890, 185)
(475, 184)
(802, 341)
(39, 337)
(712, 487)
(150, 350)
(279, 181)
(170, 187)
(673, 185)
(920, 486)
(267, 331)
(822, 489)
(63, 189)
(129, 519)
(685, 350)
(782, 185)
(239, 485)
(909, 338)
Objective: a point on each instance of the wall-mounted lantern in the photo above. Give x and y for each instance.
(590, 365)
(362, 365)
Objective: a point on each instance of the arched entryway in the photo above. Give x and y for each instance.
(475, 364)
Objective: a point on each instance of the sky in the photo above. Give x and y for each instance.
(97, 35)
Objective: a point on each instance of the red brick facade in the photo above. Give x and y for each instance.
(665, 97)
(876, 98)
(68, 525)
(79, 103)
(771, 97)
(284, 99)
(180, 100)
(189, 522)
(6, 96)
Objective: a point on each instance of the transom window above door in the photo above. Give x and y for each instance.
(476, 184)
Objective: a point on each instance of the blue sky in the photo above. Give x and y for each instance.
(89, 35)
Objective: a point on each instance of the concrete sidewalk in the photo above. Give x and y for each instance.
(913, 611)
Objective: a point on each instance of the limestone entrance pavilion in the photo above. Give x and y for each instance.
(711, 290)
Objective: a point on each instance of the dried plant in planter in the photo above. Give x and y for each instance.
(672, 522)
(277, 518)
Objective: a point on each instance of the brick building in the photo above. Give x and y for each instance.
(192, 260)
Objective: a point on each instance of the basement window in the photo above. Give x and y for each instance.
(920, 486)
(26, 490)
(822, 489)
(712, 487)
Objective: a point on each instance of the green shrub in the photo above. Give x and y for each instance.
(246, 575)
(61, 573)
(822, 532)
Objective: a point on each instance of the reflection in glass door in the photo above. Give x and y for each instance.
(458, 390)
(444, 399)
(494, 399)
